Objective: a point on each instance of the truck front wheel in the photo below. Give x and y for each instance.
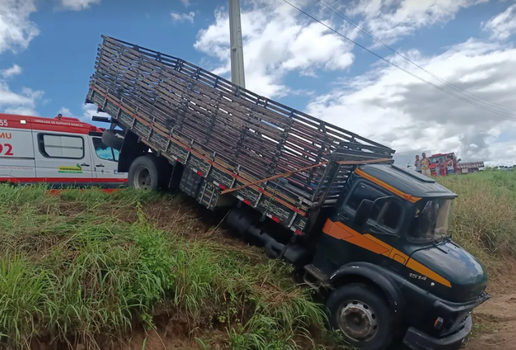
(144, 174)
(362, 316)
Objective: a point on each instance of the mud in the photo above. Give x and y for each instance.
(495, 323)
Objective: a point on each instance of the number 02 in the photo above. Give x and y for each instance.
(8, 149)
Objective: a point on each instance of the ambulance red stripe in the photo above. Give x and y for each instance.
(65, 125)
(61, 180)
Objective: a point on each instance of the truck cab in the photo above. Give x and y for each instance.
(387, 253)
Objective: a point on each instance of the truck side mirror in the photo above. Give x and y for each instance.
(363, 212)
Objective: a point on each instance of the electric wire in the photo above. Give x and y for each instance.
(378, 40)
(472, 102)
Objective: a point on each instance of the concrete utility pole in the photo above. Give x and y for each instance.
(235, 37)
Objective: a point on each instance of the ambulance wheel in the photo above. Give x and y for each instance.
(112, 139)
(144, 174)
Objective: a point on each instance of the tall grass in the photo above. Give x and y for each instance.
(484, 220)
(84, 265)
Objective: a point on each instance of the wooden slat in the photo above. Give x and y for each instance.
(259, 136)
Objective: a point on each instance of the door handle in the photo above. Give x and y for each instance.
(99, 165)
(84, 164)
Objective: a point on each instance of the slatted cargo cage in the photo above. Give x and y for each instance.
(227, 137)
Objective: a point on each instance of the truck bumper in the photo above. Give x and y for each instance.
(418, 340)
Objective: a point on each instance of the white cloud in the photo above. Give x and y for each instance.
(384, 104)
(66, 112)
(88, 110)
(23, 102)
(183, 17)
(22, 111)
(503, 25)
(185, 2)
(391, 107)
(10, 72)
(391, 20)
(16, 30)
(78, 5)
(277, 40)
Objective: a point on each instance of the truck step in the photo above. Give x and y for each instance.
(316, 273)
(315, 278)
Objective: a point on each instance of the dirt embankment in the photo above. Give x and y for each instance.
(499, 317)
(494, 328)
(495, 320)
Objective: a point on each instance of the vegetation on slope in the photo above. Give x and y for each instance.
(484, 215)
(86, 267)
(90, 267)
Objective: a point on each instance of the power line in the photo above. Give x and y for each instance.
(474, 103)
(456, 88)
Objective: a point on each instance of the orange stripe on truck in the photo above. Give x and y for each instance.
(422, 269)
(393, 253)
(340, 231)
(388, 187)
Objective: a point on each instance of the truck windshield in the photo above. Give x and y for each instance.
(432, 220)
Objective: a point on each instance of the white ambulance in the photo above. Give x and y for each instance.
(59, 151)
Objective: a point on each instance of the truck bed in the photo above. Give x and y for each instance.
(226, 136)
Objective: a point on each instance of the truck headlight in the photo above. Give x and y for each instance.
(438, 323)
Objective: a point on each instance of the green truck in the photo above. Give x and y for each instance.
(372, 237)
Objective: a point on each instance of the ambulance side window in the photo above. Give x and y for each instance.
(103, 151)
(61, 146)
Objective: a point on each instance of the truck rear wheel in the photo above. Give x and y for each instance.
(144, 174)
(362, 316)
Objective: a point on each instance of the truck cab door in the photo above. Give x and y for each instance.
(105, 161)
(62, 158)
(365, 226)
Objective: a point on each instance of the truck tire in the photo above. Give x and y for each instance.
(362, 316)
(112, 139)
(144, 174)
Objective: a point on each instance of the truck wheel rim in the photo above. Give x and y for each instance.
(142, 179)
(357, 321)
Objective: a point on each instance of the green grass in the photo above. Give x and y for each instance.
(91, 268)
(83, 267)
(484, 215)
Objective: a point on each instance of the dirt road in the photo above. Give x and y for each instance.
(496, 322)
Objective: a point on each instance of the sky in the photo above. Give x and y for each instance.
(441, 78)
